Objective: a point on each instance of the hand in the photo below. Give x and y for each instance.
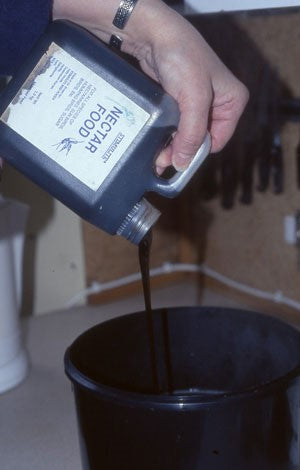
(172, 52)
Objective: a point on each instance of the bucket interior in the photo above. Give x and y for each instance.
(198, 350)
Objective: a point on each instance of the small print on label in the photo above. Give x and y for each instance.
(75, 117)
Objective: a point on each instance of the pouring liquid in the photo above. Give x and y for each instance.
(144, 259)
(158, 334)
(160, 362)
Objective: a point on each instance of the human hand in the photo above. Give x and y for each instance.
(173, 53)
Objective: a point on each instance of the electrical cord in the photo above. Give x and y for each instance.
(96, 287)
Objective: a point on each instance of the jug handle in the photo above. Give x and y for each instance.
(173, 186)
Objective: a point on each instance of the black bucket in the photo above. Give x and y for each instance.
(228, 398)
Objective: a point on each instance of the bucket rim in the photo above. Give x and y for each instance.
(182, 401)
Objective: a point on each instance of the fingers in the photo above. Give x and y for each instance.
(219, 118)
(164, 160)
(226, 114)
(190, 134)
(218, 112)
(194, 102)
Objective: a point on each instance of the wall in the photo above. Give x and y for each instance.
(247, 243)
(54, 268)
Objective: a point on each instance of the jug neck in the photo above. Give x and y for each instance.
(138, 221)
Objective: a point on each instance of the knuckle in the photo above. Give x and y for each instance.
(243, 95)
(190, 144)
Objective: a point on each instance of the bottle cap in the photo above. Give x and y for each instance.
(139, 221)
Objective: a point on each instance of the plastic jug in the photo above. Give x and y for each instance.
(86, 126)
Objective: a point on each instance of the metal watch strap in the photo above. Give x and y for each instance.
(123, 13)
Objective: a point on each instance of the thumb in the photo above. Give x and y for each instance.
(190, 135)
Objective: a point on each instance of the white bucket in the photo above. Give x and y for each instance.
(13, 357)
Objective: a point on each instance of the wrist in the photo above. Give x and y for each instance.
(98, 16)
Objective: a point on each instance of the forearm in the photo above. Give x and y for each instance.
(97, 16)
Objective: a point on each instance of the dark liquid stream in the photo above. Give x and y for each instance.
(160, 359)
(144, 258)
(161, 369)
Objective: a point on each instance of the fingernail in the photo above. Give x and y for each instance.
(182, 162)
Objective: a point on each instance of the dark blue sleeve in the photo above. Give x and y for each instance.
(21, 23)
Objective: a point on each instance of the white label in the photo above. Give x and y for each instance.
(75, 117)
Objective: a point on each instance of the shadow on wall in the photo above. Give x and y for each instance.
(256, 145)
(253, 154)
(252, 161)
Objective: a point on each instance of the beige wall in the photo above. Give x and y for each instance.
(54, 268)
